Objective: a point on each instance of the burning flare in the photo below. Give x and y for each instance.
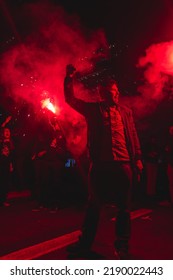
(46, 103)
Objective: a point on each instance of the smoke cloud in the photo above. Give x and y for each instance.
(157, 81)
(34, 68)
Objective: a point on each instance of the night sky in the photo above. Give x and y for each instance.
(138, 23)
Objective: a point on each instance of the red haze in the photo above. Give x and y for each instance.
(157, 65)
(37, 65)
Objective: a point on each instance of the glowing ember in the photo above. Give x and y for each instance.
(170, 57)
(46, 103)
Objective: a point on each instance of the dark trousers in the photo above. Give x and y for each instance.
(19, 172)
(38, 180)
(109, 182)
(4, 177)
(48, 181)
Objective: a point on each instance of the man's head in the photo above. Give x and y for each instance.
(171, 130)
(110, 92)
(6, 133)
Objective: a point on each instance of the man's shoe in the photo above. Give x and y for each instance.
(122, 250)
(122, 254)
(78, 249)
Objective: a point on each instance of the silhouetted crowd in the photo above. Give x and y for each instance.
(51, 174)
(43, 166)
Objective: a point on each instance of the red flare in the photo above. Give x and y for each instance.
(46, 103)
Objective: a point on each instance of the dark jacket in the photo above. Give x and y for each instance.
(93, 113)
(169, 151)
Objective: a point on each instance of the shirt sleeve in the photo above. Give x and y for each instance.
(79, 105)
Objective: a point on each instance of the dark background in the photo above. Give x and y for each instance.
(132, 25)
(136, 23)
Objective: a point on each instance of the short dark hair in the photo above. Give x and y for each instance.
(107, 83)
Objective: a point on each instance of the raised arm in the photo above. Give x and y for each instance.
(79, 105)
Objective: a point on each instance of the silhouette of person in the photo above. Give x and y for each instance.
(114, 149)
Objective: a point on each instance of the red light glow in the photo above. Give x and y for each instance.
(46, 103)
(170, 56)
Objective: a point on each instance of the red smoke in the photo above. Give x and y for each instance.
(37, 65)
(158, 60)
(157, 81)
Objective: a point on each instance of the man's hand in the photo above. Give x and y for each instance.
(70, 70)
(42, 153)
(139, 165)
(11, 167)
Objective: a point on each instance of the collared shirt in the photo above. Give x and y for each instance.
(112, 118)
(119, 147)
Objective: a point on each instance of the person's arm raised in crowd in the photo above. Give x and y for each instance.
(6, 121)
(79, 105)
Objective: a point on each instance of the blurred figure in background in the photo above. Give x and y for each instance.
(6, 150)
(50, 156)
(40, 144)
(151, 154)
(169, 152)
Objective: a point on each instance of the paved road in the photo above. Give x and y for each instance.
(43, 235)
